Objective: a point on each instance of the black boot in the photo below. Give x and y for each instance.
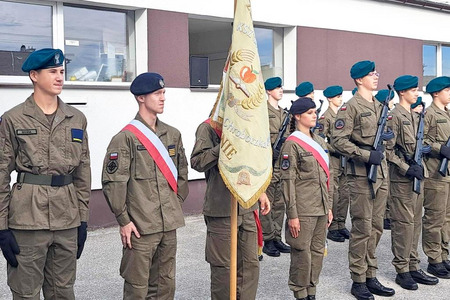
(311, 297)
(375, 287)
(446, 264)
(345, 233)
(406, 281)
(282, 247)
(335, 236)
(269, 249)
(260, 257)
(419, 276)
(387, 224)
(438, 270)
(360, 291)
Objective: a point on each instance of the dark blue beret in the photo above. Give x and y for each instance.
(273, 83)
(406, 82)
(301, 105)
(417, 103)
(354, 90)
(438, 84)
(304, 89)
(333, 91)
(383, 94)
(43, 59)
(146, 83)
(362, 68)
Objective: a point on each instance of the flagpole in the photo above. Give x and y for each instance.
(233, 252)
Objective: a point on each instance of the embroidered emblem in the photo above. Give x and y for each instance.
(113, 156)
(77, 135)
(171, 150)
(339, 124)
(285, 164)
(112, 166)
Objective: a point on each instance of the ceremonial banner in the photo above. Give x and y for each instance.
(240, 112)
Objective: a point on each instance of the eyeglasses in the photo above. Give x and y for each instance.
(374, 74)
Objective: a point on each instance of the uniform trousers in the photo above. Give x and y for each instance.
(217, 254)
(406, 224)
(272, 223)
(341, 197)
(47, 260)
(367, 225)
(436, 220)
(149, 267)
(307, 252)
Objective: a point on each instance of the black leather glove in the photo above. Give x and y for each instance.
(445, 151)
(375, 157)
(9, 247)
(82, 235)
(415, 171)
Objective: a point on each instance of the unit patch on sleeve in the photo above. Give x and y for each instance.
(172, 151)
(112, 165)
(285, 164)
(77, 135)
(339, 124)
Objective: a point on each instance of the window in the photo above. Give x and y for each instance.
(23, 29)
(436, 61)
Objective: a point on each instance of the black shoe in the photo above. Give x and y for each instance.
(375, 287)
(438, 270)
(345, 233)
(311, 297)
(306, 298)
(282, 247)
(387, 224)
(335, 236)
(419, 276)
(269, 249)
(446, 264)
(260, 257)
(406, 281)
(360, 291)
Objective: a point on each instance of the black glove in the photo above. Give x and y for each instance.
(82, 235)
(445, 151)
(375, 157)
(415, 171)
(9, 247)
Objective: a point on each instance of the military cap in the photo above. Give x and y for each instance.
(438, 84)
(417, 103)
(146, 83)
(273, 83)
(304, 89)
(362, 68)
(333, 91)
(383, 94)
(301, 105)
(43, 59)
(406, 82)
(354, 90)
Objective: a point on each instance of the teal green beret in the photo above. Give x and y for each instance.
(354, 90)
(383, 94)
(406, 82)
(43, 59)
(146, 83)
(417, 103)
(273, 83)
(304, 89)
(438, 84)
(333, 91)
(301, 105)
(362, 68)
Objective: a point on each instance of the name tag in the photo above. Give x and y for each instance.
(366, 114)
(141, 147)
(26, 131)
(406, 123)
(441, 121)
(304, 154)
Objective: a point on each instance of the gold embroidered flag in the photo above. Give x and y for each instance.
(240, 112)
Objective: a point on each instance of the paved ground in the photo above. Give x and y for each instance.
(98, 276)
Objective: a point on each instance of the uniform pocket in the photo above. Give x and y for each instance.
(29, 146)
(307, 165)
(145, 167)
(368, 122)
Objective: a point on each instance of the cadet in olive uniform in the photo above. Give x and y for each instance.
(305, 89)
(43, 219)
(305, 179)
(272, 223)
(405, 205)
(217, 212)
(436, 219)
(145, 183)
(337, 231)
(354, 132)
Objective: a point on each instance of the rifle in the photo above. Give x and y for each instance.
(420, 148)
(444, 162)
(381, 135)
(317, 115)
(276, 148)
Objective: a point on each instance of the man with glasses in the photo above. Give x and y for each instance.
(354, 132)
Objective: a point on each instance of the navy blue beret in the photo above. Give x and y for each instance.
(43, 59)
(406, 82)
(354, 90)
(304, 89)
(417, 103)
(273, 83)
(146, 83)
(438, 84)
(333, 91)
(301, 105)
(383, 94)
(362, 68)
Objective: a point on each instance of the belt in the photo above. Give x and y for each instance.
(40, 179)
(334, 154)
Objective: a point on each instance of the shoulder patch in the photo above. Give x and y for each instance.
(343, 108)
(339, 124)
(171, 150)
(389, 117)
(77, 135)
(285, 164)
(322, 117)
(320, 126)
(112, 166)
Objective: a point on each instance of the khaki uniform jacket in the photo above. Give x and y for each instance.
(29, 143)
(135, 188)
(437, 132)
(204, 158)
(355, 128)
(326, 122)
(276, 118)
(304, 182)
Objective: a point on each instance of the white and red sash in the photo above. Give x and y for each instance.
(312, 146)
(156, 149)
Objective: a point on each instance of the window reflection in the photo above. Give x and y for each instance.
(446, 60)
(429, 63)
